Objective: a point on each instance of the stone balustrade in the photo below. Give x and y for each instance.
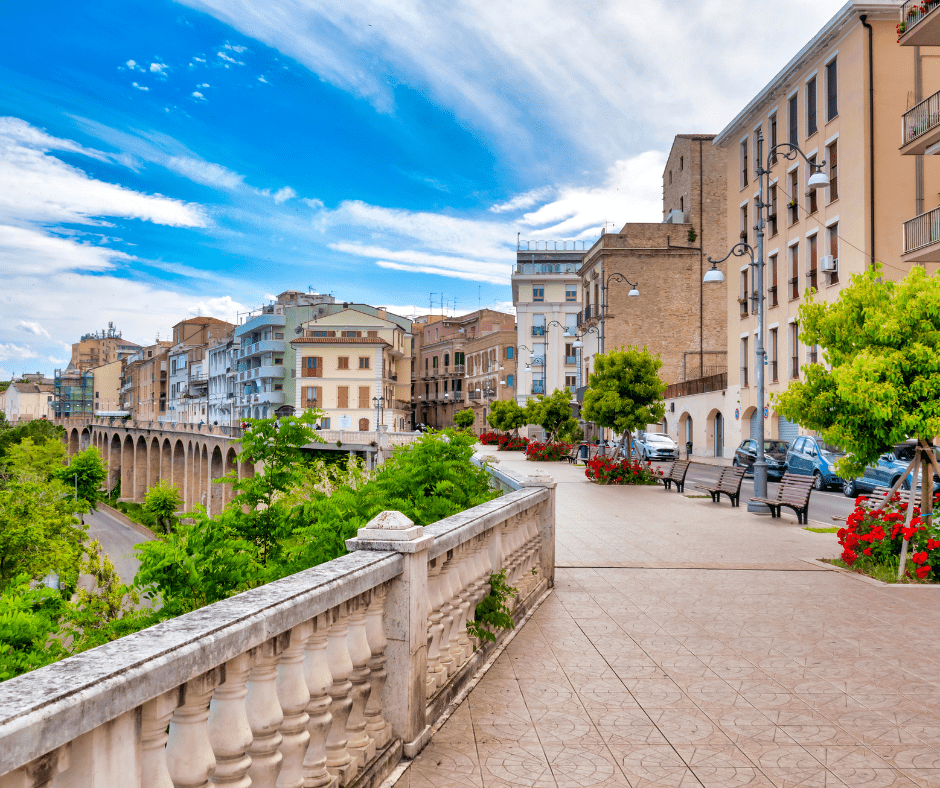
(327, 677)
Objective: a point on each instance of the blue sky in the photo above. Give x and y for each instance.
(160, 160)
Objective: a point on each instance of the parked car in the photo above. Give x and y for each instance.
(654, 446)
(885, 472)
(814, 457)
(775, 454)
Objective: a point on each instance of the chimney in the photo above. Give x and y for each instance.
(380, 311)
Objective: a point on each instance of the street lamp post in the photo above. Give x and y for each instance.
(379, 404)
(605, 287)
(789, 151)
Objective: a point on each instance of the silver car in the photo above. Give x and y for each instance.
(655, 446)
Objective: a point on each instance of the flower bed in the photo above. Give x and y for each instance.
(547, 452)
(603, 471)
(871, 543)
(489, 438)
(509, 443)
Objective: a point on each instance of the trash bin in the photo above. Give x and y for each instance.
(688, 449)
(583, 455)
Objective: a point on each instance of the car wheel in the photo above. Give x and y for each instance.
(734, 463)
(906, 485)
(849, 488)
(818, 482)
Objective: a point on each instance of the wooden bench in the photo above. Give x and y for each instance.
(793, 492)
(878, 495)
(677, 474)
(729, 483)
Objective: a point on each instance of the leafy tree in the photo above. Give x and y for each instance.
(30, 617)
(86, 475)
(552, 413)
(40, 460)
(624, 391)
(506, 415)
(37, 430)
(162, 502)
(882, 339)
(464, 418)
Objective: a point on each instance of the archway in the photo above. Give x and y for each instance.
(684, 434)
(127, 469)
(114, 462)
(191, 494)
(204, 484)
(178, 474)
(231, 469)
(73, 442)
(166, 460)
(714, 434)
(153, 463)
(85, 439)
(140, 469)
(216, 491)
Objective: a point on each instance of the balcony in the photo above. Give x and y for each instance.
(459, 369)
(537, 361)
(571, 359)
(261, 321)
(920, 127)
(590, 312)
(264, 346)
(475, 395)
(538, 331)
(922, 238)
(538, 386)
(703, 385)
(921, 23)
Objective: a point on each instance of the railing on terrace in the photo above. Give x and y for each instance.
(698, 386)
(322, 678)
(914, 11)
(922, 230)
(920, 119)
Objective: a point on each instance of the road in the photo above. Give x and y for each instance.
(823, 506)
(117, 540)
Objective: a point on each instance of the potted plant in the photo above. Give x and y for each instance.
(791, 204)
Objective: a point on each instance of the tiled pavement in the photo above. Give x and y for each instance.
(701, 677)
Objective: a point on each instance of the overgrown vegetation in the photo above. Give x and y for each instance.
(493, 612)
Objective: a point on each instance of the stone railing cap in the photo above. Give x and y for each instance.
(390, 521)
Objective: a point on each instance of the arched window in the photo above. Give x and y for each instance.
(447, 359)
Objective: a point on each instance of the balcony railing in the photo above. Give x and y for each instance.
(475, 395)
(794, 283)
(913, 12)
(743, 376)
(571, 359)
(538, 331)
(772, 295)
(922, 230)
(920, 119)
(701, 385)
(795, 367)
(296, 681)
(538, 386)
(811, 278)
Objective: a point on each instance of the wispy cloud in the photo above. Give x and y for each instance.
(158, 68)
(228, 59)
(140, 87)
(32, 327)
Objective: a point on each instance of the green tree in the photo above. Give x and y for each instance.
(39, 460)
(624, 391)
(162, 502)
(30, 619)
(552, 413)
(882, 340)
(464, 418)
(506, 415)
(86, 475)
(37, 430)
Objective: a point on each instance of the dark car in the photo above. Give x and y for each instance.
(775, 453)
(885, 472)
(812, 456)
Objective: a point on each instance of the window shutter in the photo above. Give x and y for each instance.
(794, 104)
(363, 396)
(342, 397)
(832, 103)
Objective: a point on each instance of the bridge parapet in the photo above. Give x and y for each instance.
(326, 677)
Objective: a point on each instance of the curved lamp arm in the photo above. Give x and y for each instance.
(789, 151)
(738, 250)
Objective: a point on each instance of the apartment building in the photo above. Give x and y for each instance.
(99, 348)
(814, 240)
(188, 368)
(108, 380)
(546, 292)
(353, 365)
(144, 382)
(223, 361)
(454, 352)
(418, 407)
(24, 401)
(73, 393)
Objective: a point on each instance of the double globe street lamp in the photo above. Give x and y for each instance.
(817, 180)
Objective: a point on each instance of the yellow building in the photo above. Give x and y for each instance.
(347, 361)
(99, 348)
(24, 401)
(108, 381)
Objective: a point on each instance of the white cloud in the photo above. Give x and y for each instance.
(32, 327)
(132, 65)
(262, 79)
(9, 351)
(203, 85)
(228, 59)
(284, 194)
(422, 262)
(523, 201)
(205, 172)
(140, 87)
(199, 59)
(236, 48)
(158, 68)
(197, 95)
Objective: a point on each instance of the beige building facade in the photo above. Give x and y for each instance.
(99, 348)
(27, 401)
(108, 383)
(347, 360)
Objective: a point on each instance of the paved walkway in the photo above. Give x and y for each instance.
(766, 672)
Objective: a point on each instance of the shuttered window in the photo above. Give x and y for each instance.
(342, 362)
(832, 91)
(794, 110)
(811, 107)
(310, 397)
(312, 367)
(342, 397)
(363, 396)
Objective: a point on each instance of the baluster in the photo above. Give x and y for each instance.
(265, 716)
(293, 695)
(376, 726)
(189, 755)
(154, 717)
(338, 760)
(41, 772)
(434, 622)
(229, 731)
(319, 679)
(461, 602)
(446, 582)
(359, 744)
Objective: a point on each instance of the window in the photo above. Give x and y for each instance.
(597, 298)
(833, 232)
(372, 333)
(832, 91)
(312, 367)
(342, 362)
(811, 252)
(682, 204)
(510, 352)
(569, 353)
(773, 355)
(744, 360)
(773, 138)
(571, 293)
(571, 381)
(832, 158)
(772, 280)
(364, 396)
(278, 386)
(446, 360)
(794, 350)
(742, 298)
(363, 362)
(278, 361)
(772, 215)
(794, 271)
(324, 333)
(744, 163)
(793, 110)
(681, 163)
(811, 107)
(351, 333)
(279, 335)
(325, 423)
(538, 292)
(812, 203)
(743, 227)
(793, 205)
(510, 380)
(342, 396)
(670, 177)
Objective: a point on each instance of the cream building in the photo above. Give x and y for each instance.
(347, 360)
(28, 401)
(108, 383)
(821, 101)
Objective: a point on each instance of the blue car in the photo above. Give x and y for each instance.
(814, 457)
(885, 472)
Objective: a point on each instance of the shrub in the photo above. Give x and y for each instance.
(872, 540)
(511, 443)
(603, 471)
(489, 438)
(547, 452)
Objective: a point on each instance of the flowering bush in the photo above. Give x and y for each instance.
(547, 452)
(604, 471)
(489, 438)
(873, 538)
(510, 443)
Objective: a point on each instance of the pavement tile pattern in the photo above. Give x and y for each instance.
(702, 677)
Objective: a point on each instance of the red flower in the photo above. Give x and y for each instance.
(923, 571)
(919, 558)
(848, 556)
(867, 551)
